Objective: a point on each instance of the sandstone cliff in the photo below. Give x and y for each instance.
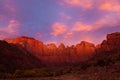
(112, 42)
(108, 52)
(51, 54)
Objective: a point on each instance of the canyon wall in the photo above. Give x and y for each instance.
(51, 54)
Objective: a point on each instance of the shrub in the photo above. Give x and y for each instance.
(43, 72)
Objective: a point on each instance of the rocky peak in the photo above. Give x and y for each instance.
(85, 49)
(51, 46)
(115, 35)
(61, 46)
(112, 42)
(23, 39)
(85, 44)
(50, 53)
(30, 44)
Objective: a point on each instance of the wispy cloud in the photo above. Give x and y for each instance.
(10, 8)
(58, 28)
(64, 16)
(2, 17)
(78, 26)
(38, 35)
(110, 6)
(68, 35)
(11, 29)
(79, 3)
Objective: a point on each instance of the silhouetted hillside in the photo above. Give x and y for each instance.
(12, 58)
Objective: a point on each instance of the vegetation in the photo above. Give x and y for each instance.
(42, 72)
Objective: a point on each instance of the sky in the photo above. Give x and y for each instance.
(59, 21)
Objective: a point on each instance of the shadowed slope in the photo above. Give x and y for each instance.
(12, 58)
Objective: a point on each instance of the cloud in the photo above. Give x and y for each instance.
(78, 26)
(10, 30)
(64, 16)
(38, 35)
(58, 28)
(9, 26)
(79, 3)
(109, 20)
(110, 6)
(106, 15)
(68, 35)
(2, 17)
(10, 8)
(13, 26)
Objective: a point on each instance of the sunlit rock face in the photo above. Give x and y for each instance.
(32, 45)
(85, 50)
(50, 53)
(13, 58)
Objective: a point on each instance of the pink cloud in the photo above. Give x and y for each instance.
(64, 16)
(68, 35)
(58, 28)
(13, 26)
(111, 20)
(2, 17)
(51, 42)
(78, 26)
(79, 3)
(38, 35)
(10, 30)
(10, 8)
(92, 39)
(110, 6)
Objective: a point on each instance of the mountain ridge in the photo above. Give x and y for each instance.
(54, 53)
(34, 51)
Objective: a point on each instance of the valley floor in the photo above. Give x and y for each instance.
(79, 76)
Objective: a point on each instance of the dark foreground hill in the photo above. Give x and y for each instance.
(13, 57)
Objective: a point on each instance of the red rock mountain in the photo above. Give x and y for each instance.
(51, 54)
(25, 53)
(108, 52)
(112, 42)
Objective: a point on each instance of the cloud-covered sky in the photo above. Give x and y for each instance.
(59, 21)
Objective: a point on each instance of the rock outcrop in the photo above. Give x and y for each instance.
(111, 43)
(30, 44)
(85, 50)
(108, 52)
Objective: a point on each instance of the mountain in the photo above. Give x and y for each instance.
(33, 57)
(30, 44)
(104, 64)
(112, 43)
(108, 52)
(51, 54)
(13, 57)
